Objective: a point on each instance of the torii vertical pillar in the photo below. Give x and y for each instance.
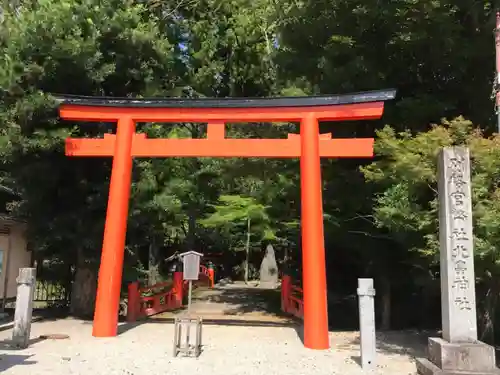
(113, 246)
(313, 246)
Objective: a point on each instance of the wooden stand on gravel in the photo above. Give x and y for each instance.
(182, 343)
(191, 265)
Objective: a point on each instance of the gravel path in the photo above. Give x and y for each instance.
(146, 349)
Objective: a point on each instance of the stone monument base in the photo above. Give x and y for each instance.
(445, 358)
(268, 285)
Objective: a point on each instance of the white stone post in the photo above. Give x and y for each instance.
(24, 307)
(366, 294)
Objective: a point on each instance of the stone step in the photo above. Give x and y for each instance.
(426, 367)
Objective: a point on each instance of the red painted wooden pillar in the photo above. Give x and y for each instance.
(313, 246)
(286, 283)
(133, 302)
(110, 272)
(178, 286)
(211, 275)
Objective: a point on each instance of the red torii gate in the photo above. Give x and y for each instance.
(309, 146)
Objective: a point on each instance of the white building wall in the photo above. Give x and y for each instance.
(14, 255)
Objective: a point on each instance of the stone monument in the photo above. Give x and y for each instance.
(269, 269)
(366, 297)
(458, 351)
(26, 282)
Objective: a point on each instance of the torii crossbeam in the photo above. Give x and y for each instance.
(309, 146)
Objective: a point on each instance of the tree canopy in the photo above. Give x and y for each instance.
(380, 215)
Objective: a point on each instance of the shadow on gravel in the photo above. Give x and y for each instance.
(8, 345)
(296, 325)
(46, 315)
(10, 360)
(9, 325)
(210, 322)
(412, 343)
(356, 359)
(241, 299)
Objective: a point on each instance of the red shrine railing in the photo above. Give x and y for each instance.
(161, 297)
(292, 300)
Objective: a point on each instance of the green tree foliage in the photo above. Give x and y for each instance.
(438, 54)
(86, 48)
(235, 211)
(244, 221)
(407, 205)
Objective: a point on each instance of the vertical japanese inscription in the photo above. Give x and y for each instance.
(460, 236)
(456, 243)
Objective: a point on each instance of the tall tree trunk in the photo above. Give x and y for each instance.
(83, 292)
(247, 249)
(488, 314)
(153, 266)
(386, 302)
(286, 265)
(191, 234)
